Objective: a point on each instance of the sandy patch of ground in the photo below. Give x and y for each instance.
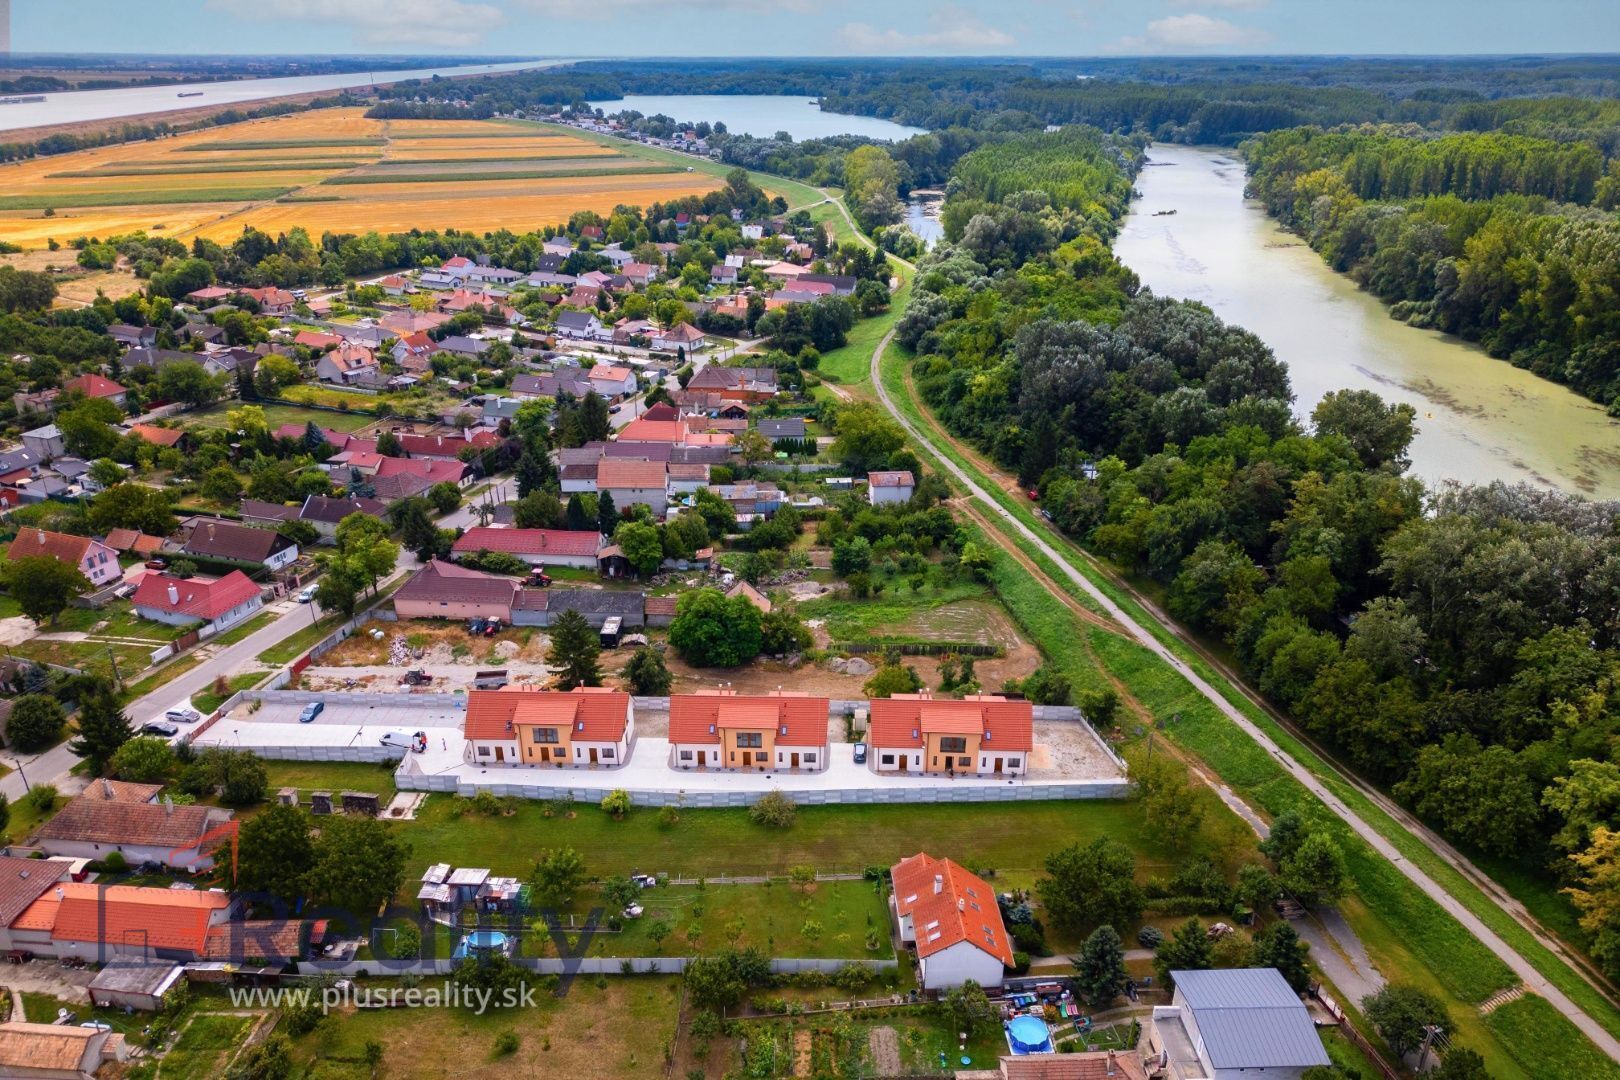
(1067, 748)
(439, 643)
(16, 630)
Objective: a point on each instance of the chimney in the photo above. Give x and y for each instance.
(961, 904)
(174, 595)
(939, 884)
(60, 894)
(40, 533)
(1110, 1063)
(168, 806)
(106, 787)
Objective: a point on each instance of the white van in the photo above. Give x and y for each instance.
(415, 743)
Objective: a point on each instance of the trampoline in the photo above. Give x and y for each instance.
(1029, 1035)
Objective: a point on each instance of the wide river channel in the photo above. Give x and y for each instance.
(1479, 419)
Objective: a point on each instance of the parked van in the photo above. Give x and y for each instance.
(415, 743)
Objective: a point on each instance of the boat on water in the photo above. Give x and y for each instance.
(190, 93)
(30, 99)
(1163, 213)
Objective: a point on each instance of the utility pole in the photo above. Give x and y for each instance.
(112, 658)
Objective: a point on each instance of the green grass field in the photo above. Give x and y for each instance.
(46, 200)
(489, 174)
(308, 776)
(183, 168)
(276, 414)
(205, 1047)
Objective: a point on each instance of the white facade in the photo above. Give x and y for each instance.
(880, 495)
(696, 755)
(888, 759)
(177, 618)
(134, 854)
(612, 388)
(657, 499)
(956, 965)
(279, 559)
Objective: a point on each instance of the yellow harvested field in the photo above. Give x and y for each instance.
(172, 169)
(31, 229)
(482, 214)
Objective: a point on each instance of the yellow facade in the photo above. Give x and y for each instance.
(944, 753)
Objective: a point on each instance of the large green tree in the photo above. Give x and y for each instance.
(275, 850)
(712, 630)
(104, 727)
(1100, 968)
(359, 863)
(1091, 885)
(43, 586)
(575, 649)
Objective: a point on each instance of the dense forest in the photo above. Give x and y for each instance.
(1459, 646)
(1497, 238)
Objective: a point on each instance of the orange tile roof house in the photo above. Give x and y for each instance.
(982, 735)
(93, 824)
(950, 915)
(97, 386)
(98, 922)
(184, 601)
(724, 730)
(92, 558)
(157, 436)
(587, 727)
(29, 1050)
(537, 547)
(631, 480)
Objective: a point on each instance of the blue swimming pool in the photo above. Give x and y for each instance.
(480, 941)
(1028, 1035)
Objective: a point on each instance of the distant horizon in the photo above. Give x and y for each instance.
(829, 29)
(449, 59)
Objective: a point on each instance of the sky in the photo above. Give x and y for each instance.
(604, 28)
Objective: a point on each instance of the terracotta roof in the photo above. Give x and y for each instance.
(429, 469)
(630, 473)
(964, 908)
(22, 881)
(660, 605)
(120, 791)
(60, 1048)
(31, 542)
(661, 411)
(530, 541)
(891, 479)
(751, 594)
(94, 386)
(440, 581)
(610, 372)
(1092, 1065)
(314, 339)
(157, 436)
(103, 821)
(205, 600)
(644, 430)
(683, 332)
(440, 445)
(271, 939)
(799, 720)
(903, 721)
(243, 543)
(158, 918)
(593, 714)
(417, 341)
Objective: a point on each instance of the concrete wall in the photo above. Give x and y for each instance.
(592, 965)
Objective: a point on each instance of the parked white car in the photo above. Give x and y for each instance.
(183, 714)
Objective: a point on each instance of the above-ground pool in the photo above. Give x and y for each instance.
(1029, 1035)
(481, 941)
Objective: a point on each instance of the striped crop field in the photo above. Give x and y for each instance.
(333, 169)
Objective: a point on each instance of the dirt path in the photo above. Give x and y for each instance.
(1510, 956)
(885, 1046)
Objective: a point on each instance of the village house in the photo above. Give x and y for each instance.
(45, 442)
(99, 923)
(889, 487)
(735, 383)
(580, 324)
(113, 816)
(951, 917)
(189, 601)
(133, 337)
(445, 447)
(241, 543)
(681, 336)
(982, 734)
(325, 512)
(537, 547)
(45, 1051)
(161, 437)
(92, 385)
(95, 560)
(443, 590)
(631, 481)
(583, 728)
(272, 300)
(725, 730)
(612, 381)
(413, 351)
(345, 365)
(598, 607)
(1233, 1024)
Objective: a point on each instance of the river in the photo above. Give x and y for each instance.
(1479, 419)
(73, 106)
(761, 115)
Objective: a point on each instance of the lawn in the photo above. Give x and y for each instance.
(42, 1009)
(95, 657)
(334, 776)
(832, 920)
(161, 676)
(242, 630)
(291, 648)
(598, 1030)
(1011, 839)
(829, 1045)
(208, 700)
(276, 415)
(205, 1047)
(116, 620)
(848, 618)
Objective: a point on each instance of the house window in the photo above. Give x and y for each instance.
(545, 735)
(887, 759)
(952, 744)
(750, 739)
(964, 763)
(686, 755)
(483, 751)
(809, 759)
(607, 753)
(1013, 763)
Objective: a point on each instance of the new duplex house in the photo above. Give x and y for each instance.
(537, 547)
(982, 734)
(1233, 1024)
(725, 730)
(950, 916)
(241, 543)
(189, 601)
(92, 558)
(583, 728)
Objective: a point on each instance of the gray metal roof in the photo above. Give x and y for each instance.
(1249, 1018)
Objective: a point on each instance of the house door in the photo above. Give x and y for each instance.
(702, 758)
(748, 758)
(545, 753)
(998, 766)
(795, 761)
(500, 753)
(593, 755)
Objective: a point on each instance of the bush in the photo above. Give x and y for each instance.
(1150, 937)
(617, 802)
(506, 1044)
(1020, 962)
(41, 799)
(36, 722)
(115, 863)
(774, 809)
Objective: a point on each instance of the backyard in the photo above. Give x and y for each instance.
(277, 414)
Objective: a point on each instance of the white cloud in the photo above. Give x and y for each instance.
(598, 10)
(1192, 32)
(950, 29)
(1228, 5)
(447, 23)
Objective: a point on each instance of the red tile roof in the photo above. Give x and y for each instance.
(891, 479)
(903, 721)
(964, 908)
(799, 720)
(96, 820)
(429, 469)
(94, 386)
(22, 881)
(59, 546)
(530, 541)
(270, 939)
(616, 473)
(157, 436)
(205, 600)
(593, 714)
(433, 445)
(643, 430)
(158, 918)
(445, 581)
(314, 339)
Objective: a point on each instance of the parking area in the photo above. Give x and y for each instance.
(357, 722)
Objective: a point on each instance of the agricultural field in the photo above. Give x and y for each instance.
(332, 169)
